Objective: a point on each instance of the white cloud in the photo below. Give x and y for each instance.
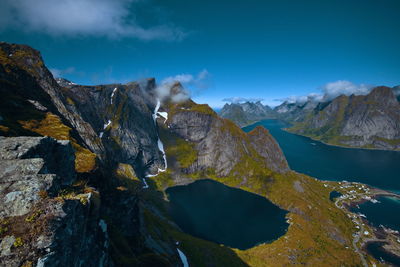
(315, 97)
(193, 83)
(329, 91)
(342, 87)
(237, 100)
(200, 81)
(110, 18)
(58, 73)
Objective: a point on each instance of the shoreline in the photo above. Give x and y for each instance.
(353, 194)
(322, 142)
(341, 146)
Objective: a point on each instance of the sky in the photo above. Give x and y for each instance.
(269, 50)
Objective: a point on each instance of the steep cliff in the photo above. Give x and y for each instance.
(121, 117)
(220, 145)
(370, 121)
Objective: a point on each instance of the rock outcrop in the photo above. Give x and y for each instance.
(38, 223)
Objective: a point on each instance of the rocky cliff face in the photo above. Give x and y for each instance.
(38, 223)
(219, 143)
(246, 113)
(370, 121)
(122, 119)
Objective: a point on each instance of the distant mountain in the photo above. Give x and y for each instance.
(367, 121)
(247, 113)
(295, 112)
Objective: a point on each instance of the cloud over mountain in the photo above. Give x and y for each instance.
(241, 99)
(342, 87)
(329, 91)
(191, 85)
(109, 18)
(301, 99)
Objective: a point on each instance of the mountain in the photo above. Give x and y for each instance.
(295, 112)
(367, 121)
(246, 113)
(84, 172)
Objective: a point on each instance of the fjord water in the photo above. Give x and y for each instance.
(374, 167)
(226, 215)
(374, 210)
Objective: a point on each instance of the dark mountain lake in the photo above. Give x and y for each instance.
(226, 215)
(374, 167)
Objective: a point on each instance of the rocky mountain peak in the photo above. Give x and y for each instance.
(383, 94)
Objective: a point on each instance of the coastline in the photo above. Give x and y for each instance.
(342, 146)
(366, 234)
(316, 140)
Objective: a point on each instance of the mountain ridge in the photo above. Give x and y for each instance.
(366, 121)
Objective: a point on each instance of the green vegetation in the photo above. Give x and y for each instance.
(4, 129)
(330, 132)
(4, 226)
(18, 242)
(180, 153)
(51, 125)
(127, 178)
(25, 58)
(393, 142)
(189, 106)
(33, 216)
(184, 153)
(27, 264)
(79, 191)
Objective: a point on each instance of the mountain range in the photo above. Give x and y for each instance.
(84, 173)
(246, 113)
(366, 121)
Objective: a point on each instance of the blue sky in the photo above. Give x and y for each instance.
(249, 49)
